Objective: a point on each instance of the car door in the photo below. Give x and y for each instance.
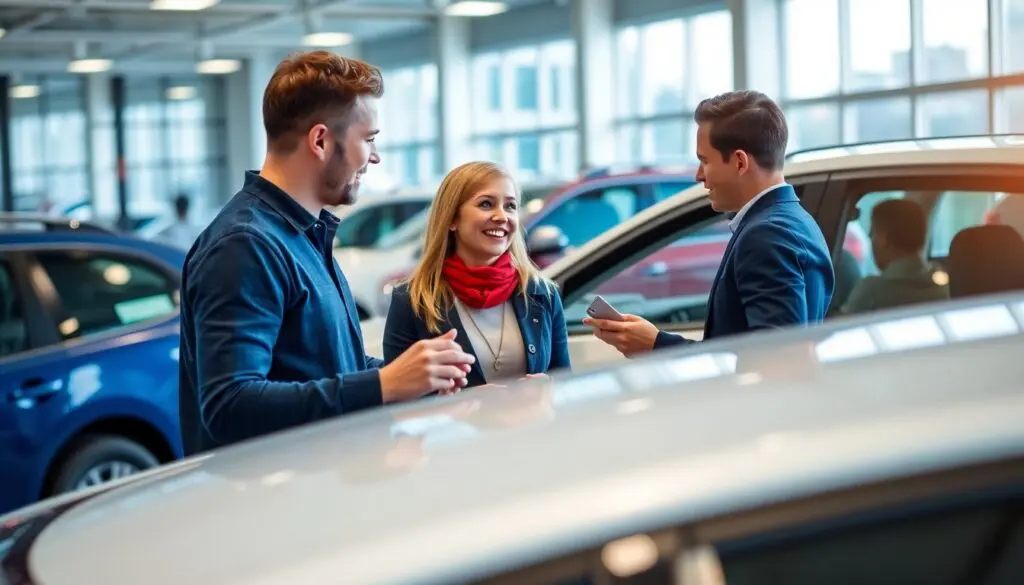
(960, 202)
(33, 376)
(683, 247)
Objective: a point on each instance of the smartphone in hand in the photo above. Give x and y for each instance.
(601, 309)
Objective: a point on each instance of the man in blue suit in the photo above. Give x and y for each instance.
(777, 270)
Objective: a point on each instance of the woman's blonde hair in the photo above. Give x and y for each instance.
(430, 296)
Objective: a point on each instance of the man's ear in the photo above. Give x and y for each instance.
(316, 140)
(741, 160)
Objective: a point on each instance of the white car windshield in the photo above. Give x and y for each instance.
(406, 233)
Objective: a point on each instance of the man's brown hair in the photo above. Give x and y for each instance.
(312, 87)
(749, 121)
(902, 222)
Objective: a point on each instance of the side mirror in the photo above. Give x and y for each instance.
(547, 239)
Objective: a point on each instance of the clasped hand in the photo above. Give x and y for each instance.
(631, 336)
(429, 365)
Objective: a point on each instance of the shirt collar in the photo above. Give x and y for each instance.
(734, 224)
(285, 205)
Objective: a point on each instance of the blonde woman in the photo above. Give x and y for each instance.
(475, 276)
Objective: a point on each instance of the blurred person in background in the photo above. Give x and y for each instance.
(270, 337)
(476, 278)
(182, 233)
(899, 231)
(777, 270)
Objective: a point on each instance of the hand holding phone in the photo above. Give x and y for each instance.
(601, 309)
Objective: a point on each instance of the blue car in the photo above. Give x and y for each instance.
(88, 356)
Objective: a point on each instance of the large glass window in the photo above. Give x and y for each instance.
(879, 47)
(956, 113)
(665, 69)
(175, 144)
(909, 68)
(1012, 53)
(528, 122)
(409, 131)
(49, 145)
(812, 48)
(955, 36)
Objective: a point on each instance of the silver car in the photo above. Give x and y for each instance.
(876, 450)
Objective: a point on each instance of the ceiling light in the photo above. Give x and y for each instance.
(24, 91)
(90, 65)
(181, 4)
(327, 39)
(181, 92)
(218, 66)
(475, 8)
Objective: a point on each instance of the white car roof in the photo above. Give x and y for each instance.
(547, 466)
(983, 150)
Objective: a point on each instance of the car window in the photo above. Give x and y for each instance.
(101, 291)
(886, 282)
(408, 232)
(13, 330)
(587, 215)
(366, 227)
(668, 284)
(663, 191)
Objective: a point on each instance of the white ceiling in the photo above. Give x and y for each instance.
(42, 35)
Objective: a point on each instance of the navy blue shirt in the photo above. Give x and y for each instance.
(270, 337)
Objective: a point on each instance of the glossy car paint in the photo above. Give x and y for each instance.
(124, 381)
(398, 495)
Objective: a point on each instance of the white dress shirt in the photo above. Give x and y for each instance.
(734, 223)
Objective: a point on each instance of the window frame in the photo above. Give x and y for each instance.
(53, 306)
(41, 331)
(846, 188)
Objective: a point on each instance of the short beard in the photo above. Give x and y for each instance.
(335, 189)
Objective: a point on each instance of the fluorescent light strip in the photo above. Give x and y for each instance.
(327, 39)
(218, 66)
(183, 5)
(90, 65)
(475, 8)
(23, 91)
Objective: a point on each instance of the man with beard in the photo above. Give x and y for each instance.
(270, 338)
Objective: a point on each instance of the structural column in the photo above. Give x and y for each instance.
(118, 100)
(6, 172)
(756, 34)
(452, 41)
(246, 139)
(102, 162)
(593, 29)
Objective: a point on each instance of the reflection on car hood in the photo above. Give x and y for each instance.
(444, 488)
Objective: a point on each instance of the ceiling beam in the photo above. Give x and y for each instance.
(326, 8)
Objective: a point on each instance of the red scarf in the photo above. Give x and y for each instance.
(481, 287)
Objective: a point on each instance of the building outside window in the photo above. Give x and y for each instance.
(526, 117)
(49, 145)
(924, 70)
(409, 135)
(175, 142)
(664, 69)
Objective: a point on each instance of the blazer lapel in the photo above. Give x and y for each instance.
(476, 372)
(529, 330)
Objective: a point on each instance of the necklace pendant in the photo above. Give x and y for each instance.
(497, 365)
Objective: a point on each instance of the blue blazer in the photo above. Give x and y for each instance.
(541, 322)
(776, 272)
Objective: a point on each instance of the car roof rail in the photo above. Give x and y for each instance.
(923, 143)
(51, 223)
